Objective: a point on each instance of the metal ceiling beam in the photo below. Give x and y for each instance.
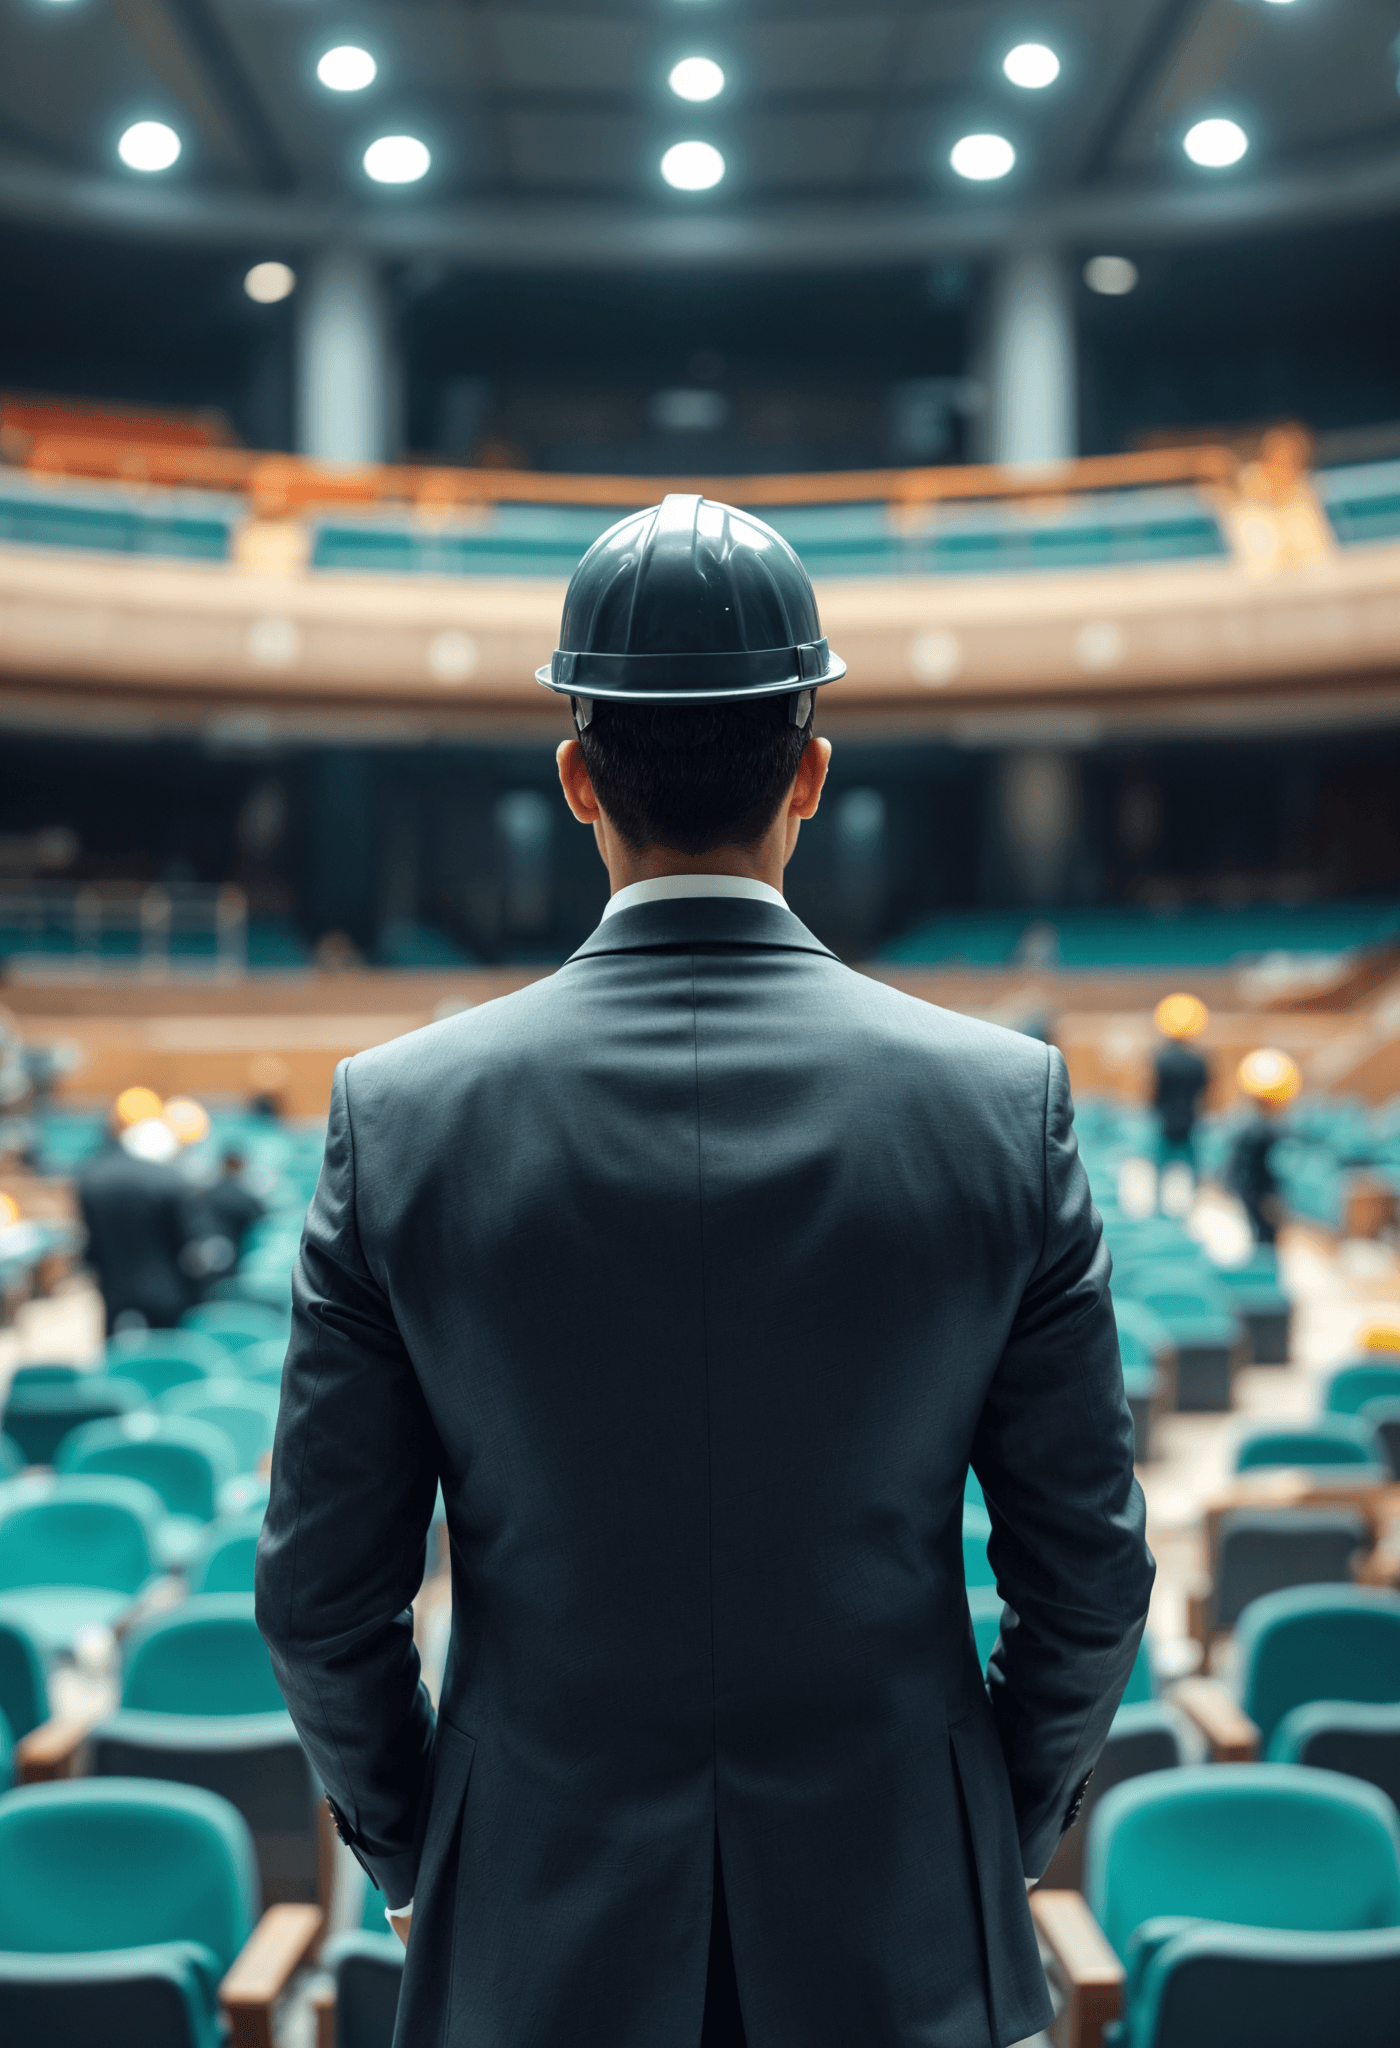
(573, 236)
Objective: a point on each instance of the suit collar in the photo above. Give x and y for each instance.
(711, 921)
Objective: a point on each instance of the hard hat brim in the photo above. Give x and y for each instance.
(691, 678)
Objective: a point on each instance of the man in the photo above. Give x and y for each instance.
(232, 1205)
(698, 1273)
(142, 1223)
(1270, 1080)
(1180, 1076)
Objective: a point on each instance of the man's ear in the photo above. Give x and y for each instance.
(575, 782)
(811, 778)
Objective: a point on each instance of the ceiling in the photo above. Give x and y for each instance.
(546, 121)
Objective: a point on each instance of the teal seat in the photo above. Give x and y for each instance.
(972, 1489)
(160, 1359)
(12, 1458)
(203, 1657)
(24, 1692)
(45, 1402)
(7, 1753)
(1143, 1338)
(77, 1558)
(122, 1905)
(1213, 1986)
(246, 1495)
(1266, 1311)
(367, 1965)
(200, 1706)
(237, 1325)
(1202, 1326)
(984, 1606)
(244, 1409)
(224, 1562)
(976, 1528)
(1350, 1388)
(262, 1363)
(1358, 1738)
(1317, 1642)
(183, 1460)
(1247, 1845)
(1329, 1440)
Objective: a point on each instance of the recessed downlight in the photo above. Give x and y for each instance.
(1031, 65)
(982, 156)
(692, 166)
(347, 68)
(149, 146)
(1111, 276)
(696, 78)
(397, 160)
(1215, 144)
(266, 283)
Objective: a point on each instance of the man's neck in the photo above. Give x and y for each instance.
(626, 866)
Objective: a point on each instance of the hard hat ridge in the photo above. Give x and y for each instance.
(689, 602)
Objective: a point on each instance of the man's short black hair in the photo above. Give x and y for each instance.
(696, 776)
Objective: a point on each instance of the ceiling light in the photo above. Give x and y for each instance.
(347, 69)
(696, 78)
(149, 146)
(1031, 65)
(692, 166)
(982, 156)
(1215, 143)
(1113, 276)
(397, 159)
(269, 282)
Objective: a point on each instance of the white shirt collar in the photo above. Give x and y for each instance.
(665, 888)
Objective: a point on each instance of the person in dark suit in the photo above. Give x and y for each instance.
(142, 1224)
(1269, 1079)
(232, 1205)
(698, 1273)
(1180, 1076)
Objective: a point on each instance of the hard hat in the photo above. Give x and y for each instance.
(188, 1119)
(1181, 1016)
(1269, 1075)
(135, 1105)
(690, 602)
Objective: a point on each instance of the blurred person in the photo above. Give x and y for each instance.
(1271, 1080)
(232, 1204)
(698, 1273)
(1181, 1077)
(142, 1218)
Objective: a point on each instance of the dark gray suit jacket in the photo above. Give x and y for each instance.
(698, 1273)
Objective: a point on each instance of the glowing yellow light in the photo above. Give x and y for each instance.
(134, 1105)
(9, 1209)
(188, 1119)
(1269, 1075)
(1181, 1016)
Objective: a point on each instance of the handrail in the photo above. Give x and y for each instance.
(281, 486)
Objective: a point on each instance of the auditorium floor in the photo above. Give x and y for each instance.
(1336, 1289)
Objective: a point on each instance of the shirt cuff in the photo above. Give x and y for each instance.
(393, 1913)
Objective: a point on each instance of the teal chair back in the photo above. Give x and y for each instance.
(1254, 1845)
(12, 1458)
(7, 1753)
(24, 1692)
(1354, 1385)
(183, 1460)
(160, 1359)
(1329, 1440)
(203, 1657)
(1141, 1688)
(1139, 1327)
(262, 1363)
(244, 1409)
(114, 1863)
(77, 1537)
(976, 1528)
(225, 1563)
(41, 1411)
(237, 1325)
(984, 1606)
(1317, 1642)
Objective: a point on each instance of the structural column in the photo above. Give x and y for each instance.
(347, 373)
(1031, 365)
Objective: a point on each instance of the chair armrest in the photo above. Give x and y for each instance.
(1087, 1973)
(261, 1971)
(1233, 1737)
(1199, 1596)
(323, 2005)
(55, 1749)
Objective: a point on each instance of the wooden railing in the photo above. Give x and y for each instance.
(281, 486)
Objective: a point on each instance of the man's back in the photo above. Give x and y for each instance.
(698, 1273)
(139, 1218)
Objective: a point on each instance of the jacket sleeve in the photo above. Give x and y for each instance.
(354, 1477)
(1054, 1454)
